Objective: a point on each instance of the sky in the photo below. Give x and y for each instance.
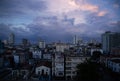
(54, 20)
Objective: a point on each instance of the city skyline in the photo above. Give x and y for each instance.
(58, 19)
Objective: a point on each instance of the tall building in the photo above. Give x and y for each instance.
(42, 44)
(11, 38)
(75, 39)
(1, 47)
(25, 42)
(110, 40)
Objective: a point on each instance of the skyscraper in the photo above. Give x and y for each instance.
(42, 44)
(25, 42)
(75, 39)
(11, 39)
(110, 40)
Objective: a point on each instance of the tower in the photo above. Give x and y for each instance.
(11, 39)
(75, 39)
(110, 40)
(41, 44)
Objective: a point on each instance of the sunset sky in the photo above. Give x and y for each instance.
(54, 20)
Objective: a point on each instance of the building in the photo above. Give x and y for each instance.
(58, 65)
(20, 56)
(61, 47)
(47, 56)
(1, 62)
(114, 64)
(37, 54)
(96, 50)
(11, 39)
(115, 51)
(25, 42)
(43, 70)
(2, 47)
(42, 44)
(21, 72)
(75, 39)
(71, 62)
(110, 40)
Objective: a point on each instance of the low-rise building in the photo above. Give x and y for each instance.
(37, 54)
(22, 72)
(114, 65)
(43, 70)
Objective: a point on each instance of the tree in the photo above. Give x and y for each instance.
(87, 71)
(96, 55)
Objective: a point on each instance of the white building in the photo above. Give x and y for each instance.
(42, 44)
(96, 49)
(37, 54)
(75, 39)
(43, 70)
(60, 47)
(71, 62)
(114, 64)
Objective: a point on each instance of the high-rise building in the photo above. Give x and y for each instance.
(11, 38)
(1, 47)
(75, 39)
(110, 40)
(42, 44)
(25, 42)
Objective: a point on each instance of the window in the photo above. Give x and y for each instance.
(68, 68)
(60, 73)
(68, 72)
(74, 72)
(38, 72)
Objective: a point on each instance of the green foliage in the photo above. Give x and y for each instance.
(87, 71)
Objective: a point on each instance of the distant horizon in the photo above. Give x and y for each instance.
(18, 40)
(88, 39)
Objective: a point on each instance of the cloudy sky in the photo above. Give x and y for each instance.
(54, 20)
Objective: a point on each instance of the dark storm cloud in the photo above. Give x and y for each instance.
(10, 8)
(51, 21)
(4, 30)
(50, 28)
(115, 26)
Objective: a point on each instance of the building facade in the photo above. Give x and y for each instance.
(109, 41)
(11, 38)
(71, 62)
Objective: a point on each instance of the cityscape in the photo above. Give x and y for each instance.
(59, 60)
(60, 40)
